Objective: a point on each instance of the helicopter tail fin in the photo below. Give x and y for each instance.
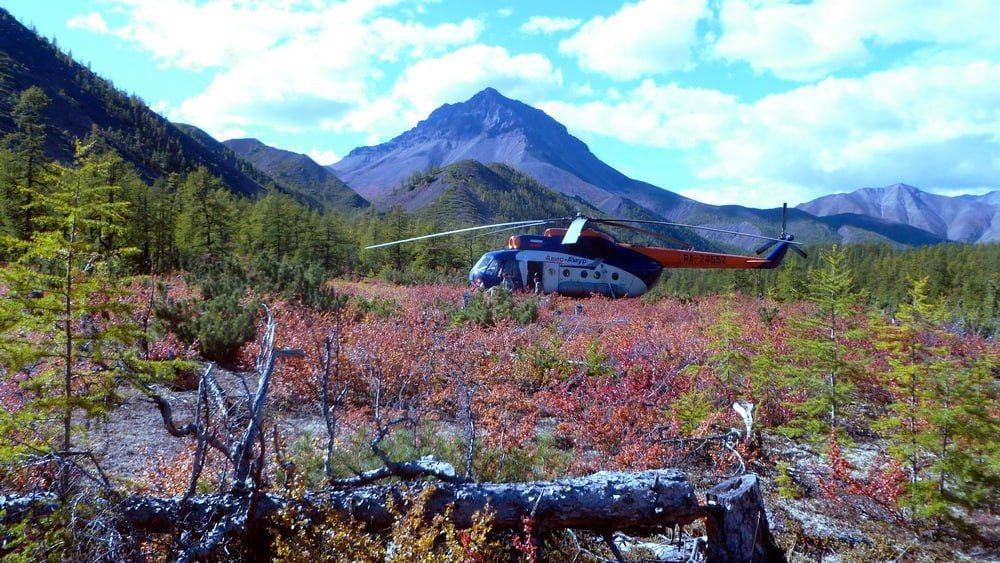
(775, 257)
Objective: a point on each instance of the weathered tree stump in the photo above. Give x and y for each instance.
(737, 524)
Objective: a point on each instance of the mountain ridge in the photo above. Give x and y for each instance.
(963, 218)
(298, 171)
(489, 127)
(470, 192)
(83, 103)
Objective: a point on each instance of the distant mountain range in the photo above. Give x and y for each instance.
(490, 127)
(488, 142)
(965, 218)
(299, 172)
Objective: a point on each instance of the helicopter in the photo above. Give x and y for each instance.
(577, 261)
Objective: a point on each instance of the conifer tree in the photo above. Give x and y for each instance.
(7, 194)
(325, 242)
(819, 368)
(271, 227)
(729, 352)
(204, 217)
(940, 424)
(31, 170)
(65, 330)
(164, 210)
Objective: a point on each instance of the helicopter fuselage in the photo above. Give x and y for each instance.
(596, 264)
(593, 265)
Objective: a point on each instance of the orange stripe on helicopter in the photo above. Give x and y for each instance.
(671, 257)
(675, 258)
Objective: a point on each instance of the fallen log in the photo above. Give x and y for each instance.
(603, 502)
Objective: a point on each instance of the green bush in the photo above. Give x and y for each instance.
(486, 309)
(221, 321)
(224, 325)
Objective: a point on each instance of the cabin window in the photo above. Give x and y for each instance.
(583, 274)
(614, 276)
(565, 273)
(597, 275)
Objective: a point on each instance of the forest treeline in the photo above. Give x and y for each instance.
(964, 277)
(189, 220)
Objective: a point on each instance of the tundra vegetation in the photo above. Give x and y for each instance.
(189, 374)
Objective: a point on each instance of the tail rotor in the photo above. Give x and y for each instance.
(785, 237)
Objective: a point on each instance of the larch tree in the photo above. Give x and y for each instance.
(30, 169)
(941, 424)
(7, 199)
(66, 333)
(820, 367)
(204, 216)
(729, 353)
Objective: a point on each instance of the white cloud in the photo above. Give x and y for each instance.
(323, 156)
(93, 21)
(937, 126)
(585, 90)
(505, 12)
(285, 64)
(215, 33)
(451, 77)
(644, 38)
(799, 41)
(548, 25)
(659, 116)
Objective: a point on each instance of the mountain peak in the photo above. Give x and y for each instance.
(490, 127)
(488, 113)
(901, 187)
(490, 94)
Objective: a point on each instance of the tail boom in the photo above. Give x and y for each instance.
(695, 259)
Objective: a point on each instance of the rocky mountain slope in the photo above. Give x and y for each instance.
(490, 127)
(299, 172)
(964, 218)
(469, 192)
(83, 103)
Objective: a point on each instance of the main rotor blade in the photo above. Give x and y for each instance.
(456, 231)
(801, 252)
(514, 228)
(784, 217)
(713, 229)
(574, 230)
(647, 232)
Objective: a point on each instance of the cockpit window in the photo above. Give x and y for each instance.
(487, 265)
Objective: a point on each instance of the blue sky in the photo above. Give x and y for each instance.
(727, 101)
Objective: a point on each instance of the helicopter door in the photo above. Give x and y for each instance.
(534, 269)
(550, 278)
